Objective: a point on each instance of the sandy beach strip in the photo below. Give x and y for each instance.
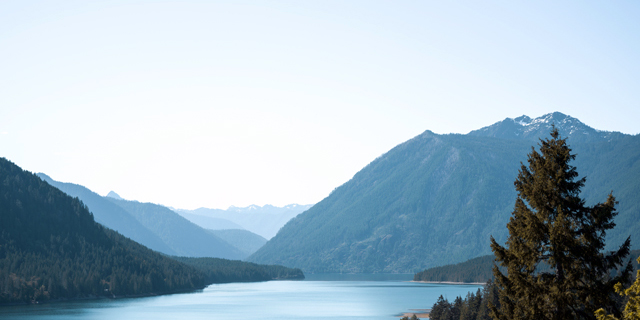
(420, 313)
(451, 282)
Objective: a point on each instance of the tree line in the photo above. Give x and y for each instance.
(553, 264)
(51, 248)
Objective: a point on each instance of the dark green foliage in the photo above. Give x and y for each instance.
(222, 270)
(552, 225)
(474, 307)
(479, 270)
(474, 270)
(50, 247)
(111, 215)
(435, 199)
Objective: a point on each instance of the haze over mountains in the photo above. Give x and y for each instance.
(436, 199)
(430, 201)
(164, 230)
(51, 247)
(265, 220)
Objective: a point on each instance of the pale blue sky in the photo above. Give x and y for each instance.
(217, 103)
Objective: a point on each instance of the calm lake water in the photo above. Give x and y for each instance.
(320, 297)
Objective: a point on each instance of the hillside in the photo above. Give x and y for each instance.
(52, 248)
(436, 199)
(151, 225)
(210, 223)
(111, 215)
(478, 269)
(179, 234)
(243, 240)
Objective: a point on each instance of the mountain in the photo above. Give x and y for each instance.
(112, 216)
(436, 199)
(525, 128)
(52, 248)
(210, 223)
(182, 236)
(154, 226)
(264, 221)
(243, 240)
(114, 195)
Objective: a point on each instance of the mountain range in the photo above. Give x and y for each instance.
(436, 199)
(152, 225)
(52, 248)
(265, 221)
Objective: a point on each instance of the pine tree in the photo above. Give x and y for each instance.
(552, 229)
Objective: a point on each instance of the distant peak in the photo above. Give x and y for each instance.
(522, 120)
(114, 195)
(524, 127)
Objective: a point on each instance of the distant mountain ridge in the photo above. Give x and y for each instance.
(114, 195)
(436, 199)
(154, 226)
(112, 216)
(262, 220)
(182, 236)
(51, 248)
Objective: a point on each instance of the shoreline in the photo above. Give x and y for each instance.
(451, 282)
(93, 298)
(419, 313)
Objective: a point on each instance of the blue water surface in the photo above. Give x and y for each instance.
(320, 297)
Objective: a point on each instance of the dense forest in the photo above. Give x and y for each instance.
(475, 306)
(478, 270)
(474, 270)
(51, 248)
(553, 265)
(222, 270)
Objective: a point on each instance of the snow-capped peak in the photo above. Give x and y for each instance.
(522, 120)
(524, 127)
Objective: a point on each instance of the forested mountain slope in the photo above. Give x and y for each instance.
(52, 248)
(111, 215)
(479, 269)
(154, 226)
(436, 199)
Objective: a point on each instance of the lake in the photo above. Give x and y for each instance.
(319, 297)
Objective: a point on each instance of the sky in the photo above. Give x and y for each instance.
(217, 103)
